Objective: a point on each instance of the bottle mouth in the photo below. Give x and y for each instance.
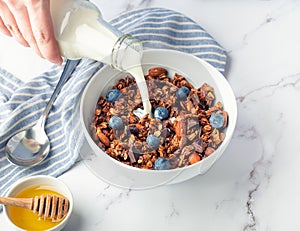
(120, 52)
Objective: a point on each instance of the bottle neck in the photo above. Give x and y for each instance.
(126, 53)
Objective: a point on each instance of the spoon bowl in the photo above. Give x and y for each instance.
(30, 147)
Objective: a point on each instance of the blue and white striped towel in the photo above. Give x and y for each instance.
(21, 104)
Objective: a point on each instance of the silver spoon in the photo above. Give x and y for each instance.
(31, 146)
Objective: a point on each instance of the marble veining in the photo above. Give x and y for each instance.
(140, 4)
(271, 88)
(174, 212)
(255, 185)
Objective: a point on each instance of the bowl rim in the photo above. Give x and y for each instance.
(215, 75)
(46, 178)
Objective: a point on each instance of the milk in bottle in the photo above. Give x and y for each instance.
(81, 31)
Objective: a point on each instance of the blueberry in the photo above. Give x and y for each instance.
(115, 122)
(182, 93)
(216, 120)
(113, 95)
(161, 164)
(153, 141)
(161, 113)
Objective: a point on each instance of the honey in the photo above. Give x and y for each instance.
(27, 219)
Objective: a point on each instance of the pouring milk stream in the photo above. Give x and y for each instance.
(81, 32)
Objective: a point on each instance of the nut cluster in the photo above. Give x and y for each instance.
(185, 137)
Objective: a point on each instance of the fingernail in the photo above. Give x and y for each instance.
(59, 62)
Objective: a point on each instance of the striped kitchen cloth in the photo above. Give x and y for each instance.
(21, 104)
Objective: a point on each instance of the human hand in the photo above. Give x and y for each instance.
(30, 23)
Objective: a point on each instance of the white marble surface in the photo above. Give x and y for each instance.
(254, 186)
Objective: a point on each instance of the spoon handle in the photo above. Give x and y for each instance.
(19, 202)
(68, 70)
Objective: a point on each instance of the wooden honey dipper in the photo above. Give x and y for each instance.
(49, 206)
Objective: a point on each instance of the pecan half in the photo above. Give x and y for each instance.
(157, 71)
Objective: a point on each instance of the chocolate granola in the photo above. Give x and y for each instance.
(192, 131)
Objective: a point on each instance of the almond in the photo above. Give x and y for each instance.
(103, 138)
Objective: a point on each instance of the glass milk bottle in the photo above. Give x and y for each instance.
(81, 32)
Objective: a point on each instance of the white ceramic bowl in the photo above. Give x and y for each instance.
(197, 72)
(55, 185)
